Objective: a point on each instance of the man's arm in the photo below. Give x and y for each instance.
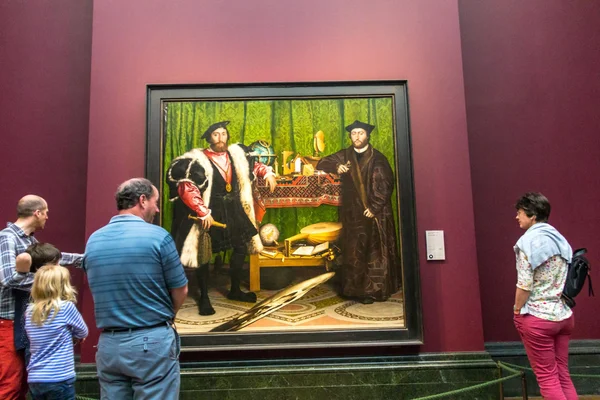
(9, 277)
(262, 170)
(173, 272)
(331, 163)
(191, 197)
(266, 172)
(71, 259)
(178, 296)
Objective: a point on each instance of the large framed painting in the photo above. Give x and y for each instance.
(292, 208)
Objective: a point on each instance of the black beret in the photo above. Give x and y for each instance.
(357, 124)
(212, 128)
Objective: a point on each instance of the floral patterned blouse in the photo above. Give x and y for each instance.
(545, 284)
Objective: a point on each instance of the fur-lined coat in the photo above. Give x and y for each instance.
(235, 208)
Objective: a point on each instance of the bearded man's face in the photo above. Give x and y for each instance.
(218, 140)
(359, 137)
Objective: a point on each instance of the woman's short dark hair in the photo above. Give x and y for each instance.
(129, 192)
(534, 203)
(42, 254)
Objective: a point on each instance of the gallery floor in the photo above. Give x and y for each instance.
(321, 308)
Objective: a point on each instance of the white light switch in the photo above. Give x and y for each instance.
(435, 245)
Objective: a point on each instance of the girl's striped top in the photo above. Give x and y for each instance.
(51, 344)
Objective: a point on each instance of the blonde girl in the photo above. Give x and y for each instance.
(52, 324)
(51, 285)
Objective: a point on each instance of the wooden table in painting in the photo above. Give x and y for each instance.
(294, 191)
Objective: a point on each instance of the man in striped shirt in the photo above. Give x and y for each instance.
(32, 214)
(138, 284)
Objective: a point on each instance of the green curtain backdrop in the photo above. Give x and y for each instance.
(287, 125)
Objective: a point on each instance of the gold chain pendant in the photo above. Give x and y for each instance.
(228, 187)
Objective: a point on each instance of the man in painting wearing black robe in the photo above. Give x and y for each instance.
(371, 268)
(212, 187)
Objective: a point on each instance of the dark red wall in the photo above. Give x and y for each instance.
(532, 89)
(45, 53)
(532, 82)
(142, 42)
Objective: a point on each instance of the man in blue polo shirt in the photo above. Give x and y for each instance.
(138, 284)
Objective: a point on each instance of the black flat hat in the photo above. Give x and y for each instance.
(357, 124)
(212, 128)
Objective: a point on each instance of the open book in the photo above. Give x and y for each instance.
(310, 250)
(269, 253)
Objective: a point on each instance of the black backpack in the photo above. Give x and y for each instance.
(579, 270)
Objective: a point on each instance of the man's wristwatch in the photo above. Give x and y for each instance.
(515, 309)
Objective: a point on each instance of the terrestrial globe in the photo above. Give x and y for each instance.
(266, 154)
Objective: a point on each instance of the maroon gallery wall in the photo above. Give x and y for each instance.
(45, 56)
(532, 79)
(142, 42)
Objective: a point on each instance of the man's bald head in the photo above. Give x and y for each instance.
(29, 204)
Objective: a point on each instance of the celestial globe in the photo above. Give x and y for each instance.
(266, 154)
(269, 234)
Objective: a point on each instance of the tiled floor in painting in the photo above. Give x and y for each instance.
(320, 308)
